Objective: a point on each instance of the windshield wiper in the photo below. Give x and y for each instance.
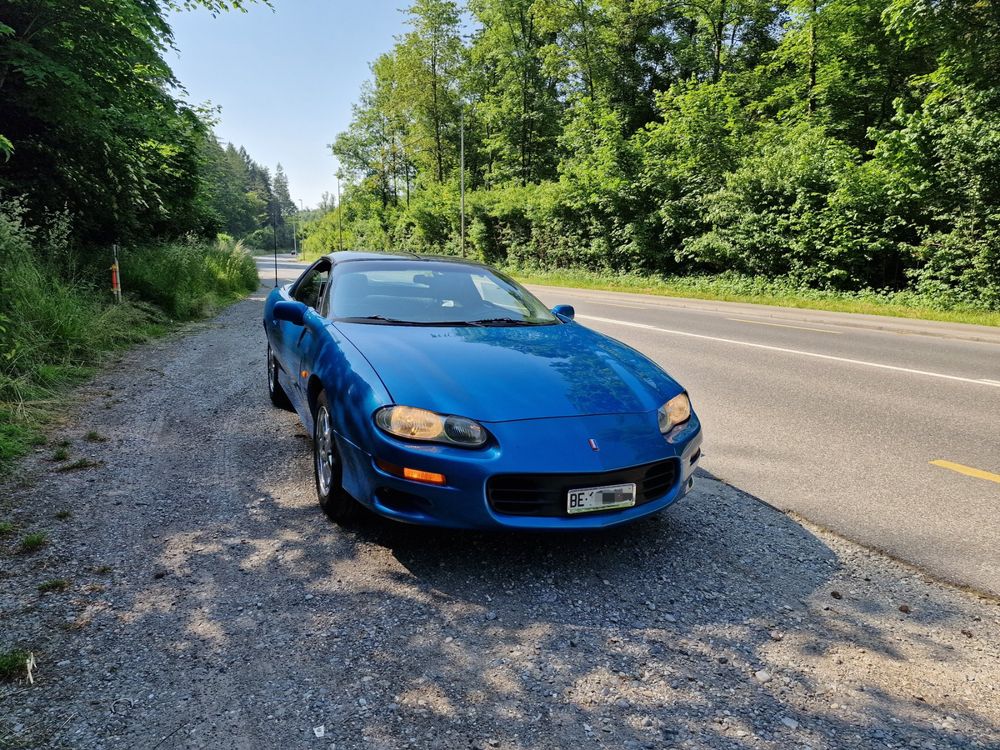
(496, 321)
(484, 322)
(378, 319)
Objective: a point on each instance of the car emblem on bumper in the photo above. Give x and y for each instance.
(593, 444)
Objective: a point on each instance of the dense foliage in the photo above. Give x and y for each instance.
(841, 145)
(91, 126)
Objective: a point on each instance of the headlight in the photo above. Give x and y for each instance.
(676, 411)
(420, 424)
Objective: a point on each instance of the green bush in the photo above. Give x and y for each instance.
(188, 279)
(772, 216)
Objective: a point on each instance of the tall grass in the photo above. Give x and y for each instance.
(57, 318)
(189, 280)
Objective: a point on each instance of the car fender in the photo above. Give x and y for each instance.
(353, 388)
(354, 391)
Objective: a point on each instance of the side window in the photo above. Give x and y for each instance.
(325, 294)
(310, 290)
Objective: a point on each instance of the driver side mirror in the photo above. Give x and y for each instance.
(293, 312)
(564, 311)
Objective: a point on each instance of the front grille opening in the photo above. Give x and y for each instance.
(545, 494)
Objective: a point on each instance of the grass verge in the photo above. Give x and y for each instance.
(776, 292)
(58, 322)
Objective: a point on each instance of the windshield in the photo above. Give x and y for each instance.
(403, 292)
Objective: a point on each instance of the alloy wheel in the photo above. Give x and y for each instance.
(326, 456)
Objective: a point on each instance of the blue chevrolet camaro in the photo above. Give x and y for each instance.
(439, 391)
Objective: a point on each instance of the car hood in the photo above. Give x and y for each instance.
(498, 374)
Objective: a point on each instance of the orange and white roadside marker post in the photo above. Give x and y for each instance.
(116, 281)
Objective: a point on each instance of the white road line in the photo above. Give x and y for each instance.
(784, 325)
(782, 349)
(626, 304)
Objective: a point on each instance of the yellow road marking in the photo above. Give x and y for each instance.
(968, 470)
(785, 325)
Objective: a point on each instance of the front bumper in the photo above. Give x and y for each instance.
(627, 445)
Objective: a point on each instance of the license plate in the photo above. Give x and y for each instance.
(590, 499)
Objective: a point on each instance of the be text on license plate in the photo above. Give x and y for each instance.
(600, 498)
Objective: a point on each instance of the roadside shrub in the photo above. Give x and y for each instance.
(771, 217)
(47, 322)
(365, 225)
(942, 165)
(962, 267)
(431, 219)
(188, 279)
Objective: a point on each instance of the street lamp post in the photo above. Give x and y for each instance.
(340, 215)
(461, 171)
(274, 236)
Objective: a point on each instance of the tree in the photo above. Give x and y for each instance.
(284, 205)
(89, 123)
(844, 144)
(429, 61)
(377, 145)
(519, 105)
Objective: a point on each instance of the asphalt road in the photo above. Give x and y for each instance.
(838, 417)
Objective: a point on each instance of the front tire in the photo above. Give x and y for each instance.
(335, 502)
(278, 396)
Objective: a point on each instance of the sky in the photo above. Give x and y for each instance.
(285, 78)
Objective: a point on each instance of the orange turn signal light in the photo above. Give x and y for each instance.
(423, 476)
(414, 475)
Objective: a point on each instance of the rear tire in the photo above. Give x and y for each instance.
(327, 467)
(278, 396)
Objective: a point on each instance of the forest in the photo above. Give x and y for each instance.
(99, 132)
(842, 145)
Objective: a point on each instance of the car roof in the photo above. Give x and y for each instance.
(346, 256)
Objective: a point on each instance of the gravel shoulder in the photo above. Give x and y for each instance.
(209, 604)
